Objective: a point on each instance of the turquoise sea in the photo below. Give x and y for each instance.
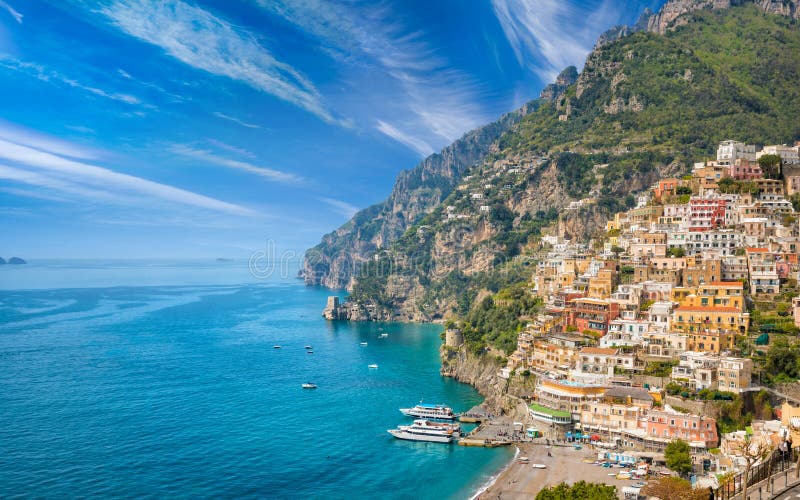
(133, 379)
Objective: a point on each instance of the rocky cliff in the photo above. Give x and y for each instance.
(503, 396)
(674, 12)
(334, 262)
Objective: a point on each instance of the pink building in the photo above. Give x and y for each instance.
(671, 425)
(745, 170)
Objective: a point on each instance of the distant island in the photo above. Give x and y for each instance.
(12, 260)
(224, 259)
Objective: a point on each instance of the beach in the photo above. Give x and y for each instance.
(566, 464)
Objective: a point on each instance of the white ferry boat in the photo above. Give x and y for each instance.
(423, 430)
(438, 412)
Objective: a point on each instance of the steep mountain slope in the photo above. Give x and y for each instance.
(416, 192)
(720, 74)
(645, 106)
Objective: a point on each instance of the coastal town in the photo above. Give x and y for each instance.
(648, 332)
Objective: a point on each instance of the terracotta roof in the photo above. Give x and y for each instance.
(709, 309)
(757, 250)
(598, 350)
(730, 284)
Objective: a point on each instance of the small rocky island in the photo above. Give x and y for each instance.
(12, 260)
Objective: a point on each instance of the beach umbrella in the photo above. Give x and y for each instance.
(595, 437)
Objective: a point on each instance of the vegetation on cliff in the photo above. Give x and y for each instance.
(726, 73)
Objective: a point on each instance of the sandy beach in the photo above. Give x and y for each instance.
(520, 481)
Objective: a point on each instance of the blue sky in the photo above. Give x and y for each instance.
(168, 128)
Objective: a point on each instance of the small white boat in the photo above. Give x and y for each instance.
(383, 335)
(308, 347)
(523, 460)
(363, 343)
(538, 466)
(372, 366)
(309, 352)
(276, 347)
(309, 385)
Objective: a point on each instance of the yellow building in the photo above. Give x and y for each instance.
(601, 286)
(710, 329)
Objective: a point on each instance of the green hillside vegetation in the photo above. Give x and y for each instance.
(727, 74)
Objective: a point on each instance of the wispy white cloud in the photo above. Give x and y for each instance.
(536, 31)
(209, 43)
(209, 157)
(418, 145)
(235, 120)
(48, 75)
(16, 15)
(443, 102)
(50, 170)
(342, 207)
(46, 181)
(232, 149)
(42, 142)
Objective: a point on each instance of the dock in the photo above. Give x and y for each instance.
(483, 443)
(490, 433)
(476, 415)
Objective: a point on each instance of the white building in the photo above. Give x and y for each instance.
(730, 151)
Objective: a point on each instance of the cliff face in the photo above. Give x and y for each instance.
(334, 262)
(673, 13)
(483, 373)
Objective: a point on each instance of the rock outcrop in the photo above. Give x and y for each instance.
(483, 373)
(555, 90)
(673, 13)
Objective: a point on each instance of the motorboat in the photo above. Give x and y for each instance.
(276, 347)
(309, 385)
(538, 466)
(363, 343)
(373, 366)
(308, 347)
(383, 335)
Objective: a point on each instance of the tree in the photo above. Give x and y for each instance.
(782, 361)
(678, 457)
(770, 165)
(579, 491)
(752, 451)
(673, 488)
(676, 252)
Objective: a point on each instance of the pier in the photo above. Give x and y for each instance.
(475, 415)
(491, 432)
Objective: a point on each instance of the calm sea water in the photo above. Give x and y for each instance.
(132, 379)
